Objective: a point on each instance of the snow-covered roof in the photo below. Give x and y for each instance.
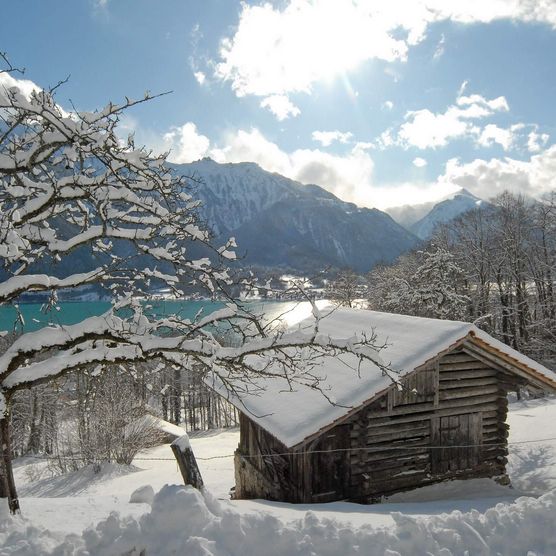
(411, 341)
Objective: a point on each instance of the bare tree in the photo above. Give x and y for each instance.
(109, 420)
(78, 206)
(345, 288)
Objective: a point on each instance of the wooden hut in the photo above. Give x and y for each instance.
(446, 422)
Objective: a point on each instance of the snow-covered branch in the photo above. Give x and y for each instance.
(16, 285)
(74, 196)
(81, 207)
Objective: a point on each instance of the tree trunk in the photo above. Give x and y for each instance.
(164, 403)
(7, 489)
(177, 397)
(33, 445)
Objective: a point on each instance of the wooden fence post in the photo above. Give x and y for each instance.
(187, 462)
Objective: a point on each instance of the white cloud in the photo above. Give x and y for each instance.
(348, 176)
(386, 139)
(278, 51)
(184, 143)
(505, 137)
(326, 138)
(200, 77)
(488, 178)
(412, 193)
(364, 146)
(387, 105)
(252, 146)
(481, 11)
(462, 88)
(287, 48)
(536, 141)
(100, 7)
(425, 129)
(517, 137)
(440, 48)
(280, 106)
(419, 162)
(481, 105)
(394, 74)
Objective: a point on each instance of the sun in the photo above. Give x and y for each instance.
(280, 52)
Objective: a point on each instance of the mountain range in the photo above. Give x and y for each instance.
(279, 222)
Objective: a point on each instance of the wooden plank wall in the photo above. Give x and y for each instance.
(329, 464)
(391, 441)
(262, 469)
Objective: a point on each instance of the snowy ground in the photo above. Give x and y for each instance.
(484, 517)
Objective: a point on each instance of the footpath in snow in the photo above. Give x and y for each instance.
(473, 517)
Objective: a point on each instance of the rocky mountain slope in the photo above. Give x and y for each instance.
(281, 222)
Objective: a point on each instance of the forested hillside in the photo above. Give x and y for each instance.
(493, 266)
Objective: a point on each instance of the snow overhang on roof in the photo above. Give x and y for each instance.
(411, 342)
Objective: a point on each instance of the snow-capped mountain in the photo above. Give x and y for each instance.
(233, 194)
(281, 222)
(445, 211)
(421, 219)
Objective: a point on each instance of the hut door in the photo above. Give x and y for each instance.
(330, 465)
(459, 438)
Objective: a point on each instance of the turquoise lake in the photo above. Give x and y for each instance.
(72, 312)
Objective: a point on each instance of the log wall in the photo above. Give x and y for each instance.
(391, 442)
(262, 467)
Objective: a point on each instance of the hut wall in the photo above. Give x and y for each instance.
(261, 468)
(326, 466)
(461, 400)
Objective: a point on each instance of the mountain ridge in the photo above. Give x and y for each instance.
(280, 222)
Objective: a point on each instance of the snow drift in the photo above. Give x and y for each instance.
(184, 521)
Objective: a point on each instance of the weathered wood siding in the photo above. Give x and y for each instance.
(330, 466)
(265, 468)
(261, 468)
(394, 439)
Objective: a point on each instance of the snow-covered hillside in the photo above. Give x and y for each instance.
(462, 517)
(423, 218)
(445, 211)
(233, 194)
(280, 222)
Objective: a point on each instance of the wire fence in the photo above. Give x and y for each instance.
(374, 449)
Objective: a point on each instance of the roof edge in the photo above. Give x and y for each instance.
(513, 361)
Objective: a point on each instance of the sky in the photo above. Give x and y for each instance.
(382, 102)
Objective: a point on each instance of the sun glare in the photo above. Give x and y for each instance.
(305, 43)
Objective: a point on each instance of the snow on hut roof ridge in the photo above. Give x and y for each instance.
(410, 342)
